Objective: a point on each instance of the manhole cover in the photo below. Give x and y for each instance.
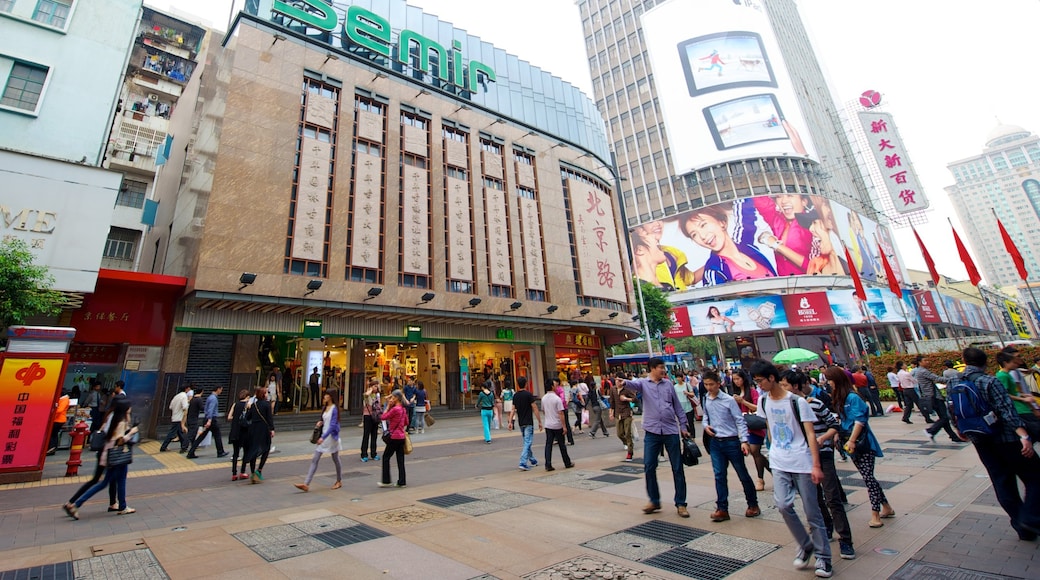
(351, 535)
(613, 478)
(673, 534)
(129, 565)
(695, 564)
(916, 569)
(447, 501)
(588, 567)
(407, 516)
(633, 469)
(59, 571)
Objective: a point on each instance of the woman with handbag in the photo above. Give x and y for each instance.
(394, 435)
(115, 458)
(98, 427)
(861, 443)
(327, 441)
(237, 434)
(260, 432)
(746, 394)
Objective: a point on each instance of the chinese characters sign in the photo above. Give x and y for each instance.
(27, 391)
(534, 263)
(415, 226)
(900, 179)
(460, 240)
(312, 199)
(599, 255)
(498, 237)
(576, 340)
(368, 211)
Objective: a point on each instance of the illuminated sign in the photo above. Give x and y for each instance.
(504, 334)
(27, 389)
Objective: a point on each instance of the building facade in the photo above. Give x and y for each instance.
(387, 197)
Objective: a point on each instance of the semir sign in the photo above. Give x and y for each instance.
(371, 31)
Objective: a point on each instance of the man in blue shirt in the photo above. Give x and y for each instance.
(410, 393)
(663, 421)
(725, 424)
(212, 425)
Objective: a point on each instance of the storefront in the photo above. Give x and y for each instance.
(578, 353)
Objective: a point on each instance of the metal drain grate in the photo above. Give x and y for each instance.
(129, 565)
(666, 532)
(351, 535)
(695, 564)
(59, 571)
(915, 569)
(634, 468)
(447, 501)
(613, 478)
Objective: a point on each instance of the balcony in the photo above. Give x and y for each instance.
(134, 144)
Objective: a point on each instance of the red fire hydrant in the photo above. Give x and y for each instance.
(79, 436)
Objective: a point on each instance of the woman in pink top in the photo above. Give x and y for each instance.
(791, 242)
(396, 418)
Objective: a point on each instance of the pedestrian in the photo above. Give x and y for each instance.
(1007, 453)
(687, 399)
(486, 404)
(794, 457)
(555, 422)
(260, 434)
(507, 397)
(328, 442)
(178, 428)
(372, 414)
(829, 492)
(120, 429)
(396, 417)
(1021, 397)
(525, 410)
(724, 423)
(58, 419)
(621, 411)
(854, 413)
(564, 388)
(934, 400)
(99, 466)
(92, 401)
(580, 393)
(876, 410)
(274, 389)
(313, 385)
(908, 386)
(747, 396)
(191, 417)
(595, 399)
(663, 422)
(237, 433)
(410, 402)
(421, 406)
(893, 383)
(212, 425)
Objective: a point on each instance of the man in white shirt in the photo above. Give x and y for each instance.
(893, 383)
(555, 422)
(795, 462)
(908, 384)
(178, 429)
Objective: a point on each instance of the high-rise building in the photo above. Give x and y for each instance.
(1005, 176)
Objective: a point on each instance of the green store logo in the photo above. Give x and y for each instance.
(372, 32)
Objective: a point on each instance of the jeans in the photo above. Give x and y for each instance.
(596, 421)
(420, 419)
(624, 432)
(486, 417)
(723, 453)
(395, 446)
(785, 485)
(652, 445)
(99, 470)
(411, 418)
(567, 425)
(939, 406)
(175, 433)
(1004, 463)
(115, 475)
(527, 431)
(214, 427)
(369, 436)
(829, 496)
(555, 436)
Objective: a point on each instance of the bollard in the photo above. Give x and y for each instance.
(79, 437)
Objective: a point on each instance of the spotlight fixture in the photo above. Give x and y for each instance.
(246, 279)
(583, 312)
(473, 303)
(421, 93)
(277, 37)
(495, 122)
(373, 292)
(560, 144)
(460, 108)
(611, 316)
(516, 305)
(313, 286)
(528, 134)
(426, 298)
(329, 56)
(552, 308)
(379, 75)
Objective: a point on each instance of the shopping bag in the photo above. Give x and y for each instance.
(407, 444)
(584, 416)
(429, 419)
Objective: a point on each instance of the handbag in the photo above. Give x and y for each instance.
(120, 455)
(754, 422)
(429, 419)
(407, 444)
(691, 453)
(386, 437)
(97, 440)
(316, 434)
(862, 442)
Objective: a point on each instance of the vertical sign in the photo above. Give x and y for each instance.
(415, 228)
(900, 179)
(311, 201)
(28, 386)
(534, 261)
(460, 227)
(498, 237)
(599, 254)
(368, 211)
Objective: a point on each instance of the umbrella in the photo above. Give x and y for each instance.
(793, 356)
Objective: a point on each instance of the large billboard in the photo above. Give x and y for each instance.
(758, 237)
(723, 86)
(900, 179)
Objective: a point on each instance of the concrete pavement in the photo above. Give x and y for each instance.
(468, 512)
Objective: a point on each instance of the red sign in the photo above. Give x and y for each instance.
(28, 389)
(669, 349)
(809, 309)
(576, 341)
(128, 307)
(94, 353)
(927, 309)
(680, 323)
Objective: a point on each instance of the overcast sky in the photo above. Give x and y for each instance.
(948, 70)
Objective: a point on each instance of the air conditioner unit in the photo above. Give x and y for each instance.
(153, 97)
(122, 145)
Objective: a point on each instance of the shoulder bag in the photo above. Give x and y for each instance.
(97, 440)
(120, 455)
(407, 444)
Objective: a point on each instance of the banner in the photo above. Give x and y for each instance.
(808, 309)
(680, 323)
(880, 307)
(28, 389)
(739, 315)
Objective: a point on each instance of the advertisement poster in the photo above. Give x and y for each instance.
(881, 306)
(758, 237)
(28, 389)
(680, 323)
(739, 315)
(808, 309)
(924, 302)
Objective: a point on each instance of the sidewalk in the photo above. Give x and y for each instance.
(469, 513)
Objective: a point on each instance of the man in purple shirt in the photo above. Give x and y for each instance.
(663, 421)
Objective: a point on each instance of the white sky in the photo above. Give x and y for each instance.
(948, 70)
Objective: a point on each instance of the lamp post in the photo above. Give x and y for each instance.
(628, 246)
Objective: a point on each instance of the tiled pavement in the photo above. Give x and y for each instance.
(468, 513)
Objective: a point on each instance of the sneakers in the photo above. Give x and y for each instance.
(524, 468)
(824, 568)
(381, 484)
(365, 459)
(847, 551)
(628, 458)
(224, 454)
(376, 458)
(592, 435)
(534, 462)
(929, 435)
(401, 485)
(801, 561)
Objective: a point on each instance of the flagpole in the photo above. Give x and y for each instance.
(1024, 278)
(934, 274)
(992, 319)
(642, 313)
(890, 273)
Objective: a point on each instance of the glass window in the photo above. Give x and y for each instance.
(1017, 158)
(6, 5)
(24, 86)
(132, 193)
(120, 244)
(52, 12)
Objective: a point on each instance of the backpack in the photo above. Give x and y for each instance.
(376, 410)
(594, 398)
(971, 412)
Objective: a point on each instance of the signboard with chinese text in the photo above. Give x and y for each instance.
(498, 236)
(29, 387)
(577, 341)
(1016, 323)
(599, 254)
(460, 230)
(534, 261)
(808, 309)
(367, 211)
(680, 323)
(415, 225)
(312, 201)
(94, 353)
(887, 146)
(925, 303)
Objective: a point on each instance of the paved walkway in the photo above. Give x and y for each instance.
(469, 513)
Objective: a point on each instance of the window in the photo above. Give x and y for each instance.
(6, 5)
(132, 193)
(52, 12)
(120, 244)
(24, 86)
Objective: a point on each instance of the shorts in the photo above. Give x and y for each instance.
(753, 439)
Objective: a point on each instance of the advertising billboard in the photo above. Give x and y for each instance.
(723, 87)
(738, 315)
(900, 179)
(758, 237)
(881, 306)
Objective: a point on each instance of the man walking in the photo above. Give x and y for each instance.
(893, 383)
(178, 430)
(1007, 453)
(191, 416)
(933, 400)
(725, 424)
(212, 425)
(621, 411)
(663, 422)
(525, 411)
(909, 388)
(313, 385)
(552, 407)
(795, 461)
(410, 395)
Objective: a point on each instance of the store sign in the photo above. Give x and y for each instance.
(680, 323)
(413, 333)
(892, 158)
(924, 302)
(576, 340)
(94, 353)
(368, 30)
(810, 309)
(504, 334)
(312, 328)
(27, 390)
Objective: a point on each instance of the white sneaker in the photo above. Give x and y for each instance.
(930, 436)
(802, 559)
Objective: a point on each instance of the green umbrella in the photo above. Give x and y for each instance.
(793, 356)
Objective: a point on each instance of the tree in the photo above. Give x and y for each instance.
(698, 346)
(657, 308)
(25, 287)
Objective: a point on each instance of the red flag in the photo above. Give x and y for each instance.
(893, 284)
(969, 264)
(856, 280)
(1012, 249)
(927, 258)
